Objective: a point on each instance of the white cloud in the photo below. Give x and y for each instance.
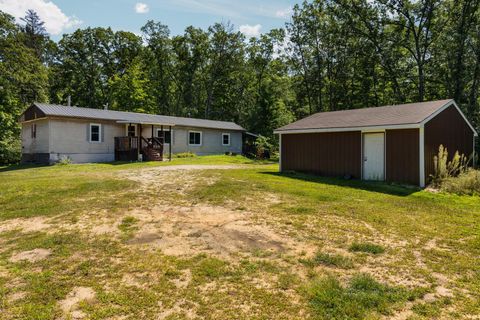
(55, 20)
(284, 13)
(141, 7)
(251, 31)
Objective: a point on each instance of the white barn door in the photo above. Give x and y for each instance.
(374, 156)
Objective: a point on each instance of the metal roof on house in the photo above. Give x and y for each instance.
(133, 117)
(405, 114)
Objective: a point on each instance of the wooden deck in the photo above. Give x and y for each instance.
(129, 148)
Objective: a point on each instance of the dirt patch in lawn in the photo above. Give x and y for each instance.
(25, 225)
(71, 301)
(191, 230)
(16, 296)
(187, 229)
(31, 256)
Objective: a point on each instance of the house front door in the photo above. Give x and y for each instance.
(374, 156)
(131, 130)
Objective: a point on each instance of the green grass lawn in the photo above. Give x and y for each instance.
(243, 242)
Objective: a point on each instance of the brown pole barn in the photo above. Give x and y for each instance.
(390, 143)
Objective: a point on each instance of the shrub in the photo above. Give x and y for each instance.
(64, 160)
(361, 297)
(263, 147)
(466, 183)
(367, 247)
(184, 155)
(444, 169)
(275, 156)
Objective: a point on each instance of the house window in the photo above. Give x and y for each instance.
(131, 130)
(95, 132)
(167, 135)
(34, 130)
(225, 139)
(194, 138)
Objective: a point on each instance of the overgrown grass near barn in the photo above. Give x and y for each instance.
(144, 241)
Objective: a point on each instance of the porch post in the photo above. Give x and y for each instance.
(170, 145)
(152, 133)
(163, 139)
(139, 139)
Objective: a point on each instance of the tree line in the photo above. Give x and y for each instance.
(331, 55)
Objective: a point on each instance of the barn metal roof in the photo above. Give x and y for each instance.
(133, 117)
(395, 115)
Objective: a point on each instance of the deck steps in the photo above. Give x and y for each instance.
(152, 154)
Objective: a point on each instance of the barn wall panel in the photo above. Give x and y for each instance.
(329, 154)
(402, 156)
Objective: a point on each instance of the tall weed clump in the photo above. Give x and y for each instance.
(443, 168)
(455, 176)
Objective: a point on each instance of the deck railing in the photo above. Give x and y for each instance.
(126, 148)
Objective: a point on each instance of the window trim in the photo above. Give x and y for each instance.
(229, 137)
(99, 133)
(165, 130)
(201, 138)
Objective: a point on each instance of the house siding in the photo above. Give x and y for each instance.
(329, 154)
(40, 144)
(69, 138)
(402, 156)
(211, 141)
(449, 129)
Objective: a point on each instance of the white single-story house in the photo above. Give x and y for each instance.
(53, 132)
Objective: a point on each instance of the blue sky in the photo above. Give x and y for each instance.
(63, 16)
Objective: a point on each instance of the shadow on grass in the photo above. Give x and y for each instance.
(15, 167)
(381, 187)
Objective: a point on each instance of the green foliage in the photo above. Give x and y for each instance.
(367, 247)
(362, 297)
(10, 150)
(23, 79)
